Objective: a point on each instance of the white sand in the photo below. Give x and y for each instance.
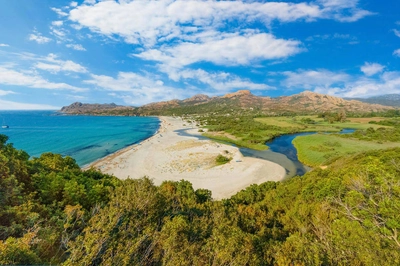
(168, 156)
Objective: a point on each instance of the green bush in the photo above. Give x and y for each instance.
(222, 159)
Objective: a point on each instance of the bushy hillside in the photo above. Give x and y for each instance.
(52, 212)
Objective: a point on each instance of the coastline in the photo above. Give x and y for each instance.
(169, 156)
(118, 152)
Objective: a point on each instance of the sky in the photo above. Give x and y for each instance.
(54, 53)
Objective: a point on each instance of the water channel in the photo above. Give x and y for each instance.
(281, 151)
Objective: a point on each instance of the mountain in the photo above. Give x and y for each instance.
(305, 102)
(93, 109)
(387, 99)
(243, 100)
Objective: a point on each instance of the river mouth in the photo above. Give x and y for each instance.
(281, 151)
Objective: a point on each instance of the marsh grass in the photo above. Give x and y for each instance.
(322, 149)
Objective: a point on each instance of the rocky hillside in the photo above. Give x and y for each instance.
(306, 102)
(243, 100)
(93, 109)
(311, 101)
(387, 99)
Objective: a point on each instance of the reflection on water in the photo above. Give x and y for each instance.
(281, 151)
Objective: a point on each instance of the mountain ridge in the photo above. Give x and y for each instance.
(304, 102)
(386, 99)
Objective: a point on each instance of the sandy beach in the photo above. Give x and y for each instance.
(169, 156)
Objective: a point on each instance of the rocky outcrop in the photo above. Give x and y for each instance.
(239, 93)
(199, 98)
(87, 108)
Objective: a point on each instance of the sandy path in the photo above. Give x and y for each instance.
(168, 156)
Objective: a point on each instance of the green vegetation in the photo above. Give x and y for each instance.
(253, 132)
(51, 212)
(44, 204)
(222, 159)
(322, 149)
(315, 150)
(340, 216)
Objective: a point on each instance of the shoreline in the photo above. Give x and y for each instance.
(118, 152)
(169, 156)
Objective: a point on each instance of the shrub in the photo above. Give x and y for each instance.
(222, 159)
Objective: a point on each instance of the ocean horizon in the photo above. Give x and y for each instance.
(84, 138)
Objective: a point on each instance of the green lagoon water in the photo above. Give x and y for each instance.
(85, 138)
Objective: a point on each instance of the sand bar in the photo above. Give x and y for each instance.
(169, 156)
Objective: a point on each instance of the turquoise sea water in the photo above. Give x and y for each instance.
(85, 138)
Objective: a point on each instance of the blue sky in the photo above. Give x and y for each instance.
(53, 53)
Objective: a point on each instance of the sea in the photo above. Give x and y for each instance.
(84, 138)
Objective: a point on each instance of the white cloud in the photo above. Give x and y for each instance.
(152, 22)
(343, 10)
(60, 33)
(9, 105)
(73, 4)
(370, 69)
(387, 83)
(136, 89)
(4, 45)
(218, 81)
(397, 52)
(54, 65)
(225, 49)
(77, 47)
(309, 79)
(397, 33)
(336, 36)
(57, 23)
(59, 12)
(12, 77)
(37, 37)
(90, 2)
(342, 84)
(4, 93)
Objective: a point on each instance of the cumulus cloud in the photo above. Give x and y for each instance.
(342, 84)
(4, 93)
(57, 23)
(370, 69)
(309, 79)
(219, 82)
(136, 89)
(59, 12)
(397, 52)
(77, 47)
(387, 83)
(38, 37)
(149, 22)
(52, 64)
(226, 49)
(28, 79)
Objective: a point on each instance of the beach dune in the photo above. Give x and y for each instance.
(169, 156)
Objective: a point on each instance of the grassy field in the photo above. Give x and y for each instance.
(236, 141)
(254, 133)
(321, 149)
(320, 125)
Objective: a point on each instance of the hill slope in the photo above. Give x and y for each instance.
(387, 99)
(305, 102)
